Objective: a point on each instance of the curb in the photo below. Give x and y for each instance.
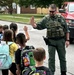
(14, 21)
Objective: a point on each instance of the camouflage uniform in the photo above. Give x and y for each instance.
(56, 32)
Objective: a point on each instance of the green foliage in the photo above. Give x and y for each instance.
(3, 2)
(8, 3)
(37, 3)
(16, 1)
(59, 2)
(41, 3)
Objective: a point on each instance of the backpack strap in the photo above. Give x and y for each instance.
(10, 43)
(33, 70)
(28, 70)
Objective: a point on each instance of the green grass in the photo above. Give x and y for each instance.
(29, 15)
(22, 18)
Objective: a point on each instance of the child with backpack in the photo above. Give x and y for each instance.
(39, 56)
(21, 55)
(1, 33)
(8, 37)
(14, 27)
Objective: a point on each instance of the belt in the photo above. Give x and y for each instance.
(56, 38)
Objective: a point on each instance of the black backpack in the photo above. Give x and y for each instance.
(33, 71)
(27, 57)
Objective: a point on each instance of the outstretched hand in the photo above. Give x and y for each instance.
(25, 28)
(26, 33)
(32, 22)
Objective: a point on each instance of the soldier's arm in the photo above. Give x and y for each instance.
(67, 33)
(66, 29)
(40, 25)
(63, 21)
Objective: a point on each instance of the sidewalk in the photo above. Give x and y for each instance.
(35, 36)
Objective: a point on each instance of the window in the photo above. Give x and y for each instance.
(71, 7)
(32, 7)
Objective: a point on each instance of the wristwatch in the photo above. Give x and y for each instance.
(67, 40)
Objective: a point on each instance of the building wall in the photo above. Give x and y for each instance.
(34, 11)
(42, 10)
(28, 10)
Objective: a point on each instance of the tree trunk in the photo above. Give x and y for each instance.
(10, 10)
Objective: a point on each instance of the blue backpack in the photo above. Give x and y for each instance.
(1, 37)
(5, 59)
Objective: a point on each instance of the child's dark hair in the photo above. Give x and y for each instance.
(13, 27)
(39, 54)
(7, 35)
(20, 38)
(1, 26)
(5, 27)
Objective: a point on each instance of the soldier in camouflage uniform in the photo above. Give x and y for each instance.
(57, 34)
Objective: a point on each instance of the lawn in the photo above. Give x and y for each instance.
(22, 18)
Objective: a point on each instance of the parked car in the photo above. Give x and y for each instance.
(67, 11)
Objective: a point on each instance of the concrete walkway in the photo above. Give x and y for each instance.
(37, 40)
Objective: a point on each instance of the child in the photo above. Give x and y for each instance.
(39, 56)
(14, 28)
(8, 37)
(5, 27)
(1, 34)
(21, 40)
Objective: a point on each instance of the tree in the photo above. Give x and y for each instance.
(8, 3)
(41, 3)
(3, 2)
(37, 3)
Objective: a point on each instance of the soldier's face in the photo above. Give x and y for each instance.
(52, 12)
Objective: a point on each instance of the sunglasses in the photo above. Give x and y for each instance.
(51, 11)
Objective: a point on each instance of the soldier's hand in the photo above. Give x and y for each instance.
(67, 43)
(32, 22)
